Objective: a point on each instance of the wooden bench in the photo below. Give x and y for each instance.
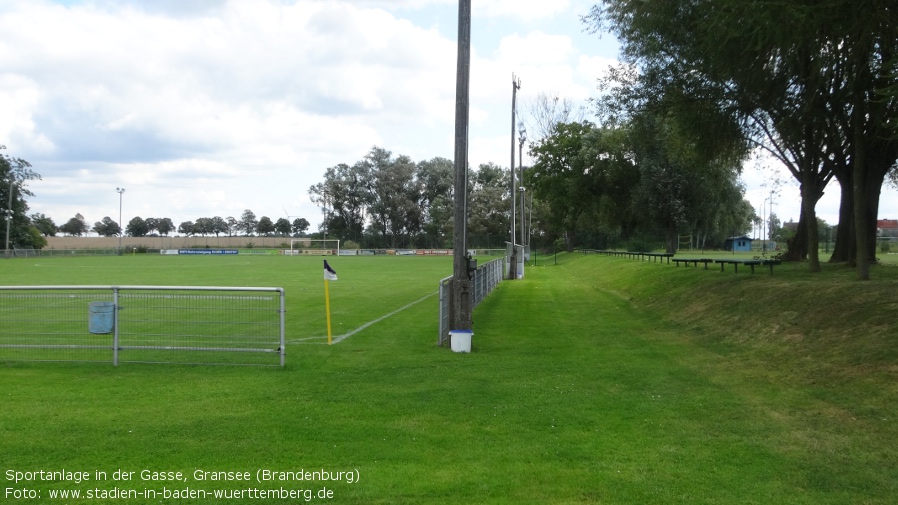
(658, 256)
(694, 261)
(770, 263)
(750, 263)
(644, 256)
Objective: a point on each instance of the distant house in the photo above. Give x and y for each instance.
(887, 228)
(791, 226)
(741, 243)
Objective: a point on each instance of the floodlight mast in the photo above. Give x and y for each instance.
(121, 230)
(460, 306)
(9, 213)
(522, 137)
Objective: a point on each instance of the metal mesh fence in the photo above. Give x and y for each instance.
(484, 281)
(164, 324)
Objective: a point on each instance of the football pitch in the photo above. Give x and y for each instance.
(573, 394)
(369, 287)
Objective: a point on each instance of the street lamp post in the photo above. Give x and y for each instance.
(120, 191)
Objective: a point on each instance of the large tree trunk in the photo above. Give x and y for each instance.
(805, 244)
(845, 249)
(810, 195)
(874, 152)
(672, 240)
(797, 246)
(859, 190)
(570, 239)
(872, 192)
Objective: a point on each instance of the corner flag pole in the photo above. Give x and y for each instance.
(329, 275)
(327, 307)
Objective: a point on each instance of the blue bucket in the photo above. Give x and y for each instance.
(101, 317)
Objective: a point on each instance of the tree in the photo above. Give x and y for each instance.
(265, 226)
(685, 186)
(36, 239)
(282, 227)
(781, 232)
(219, 226)
(14, 175)
(436, 178)
(774, 224)
(546, 111)
(395, 209)
(561, 177)
(137, 227)
(187, 228)
(75, 226)
(489, 205)
(107, 227)
(151, 223)
(344, 197)
(164, 225)
(247, 223)
(203, 226)
(300, 226)
(233, 225)
(44, 224)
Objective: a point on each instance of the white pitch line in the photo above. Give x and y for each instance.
(338, 339)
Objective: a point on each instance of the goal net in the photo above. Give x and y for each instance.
(313, 247)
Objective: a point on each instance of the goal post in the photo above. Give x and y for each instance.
(313, 247)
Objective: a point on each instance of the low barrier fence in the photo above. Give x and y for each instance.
(485, 279)
(150, 324)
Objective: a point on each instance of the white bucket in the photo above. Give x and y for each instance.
(460, 340)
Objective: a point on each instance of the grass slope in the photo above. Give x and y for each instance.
(600, 380)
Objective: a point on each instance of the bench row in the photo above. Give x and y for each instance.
(735, 262)
(752, 263)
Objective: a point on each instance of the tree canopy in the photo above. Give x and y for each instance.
(819, 96)
(384, 200)
(14, 176)
(643, 178)
(107, 227)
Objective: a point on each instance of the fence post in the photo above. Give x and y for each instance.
(115, 326)
(283, 341)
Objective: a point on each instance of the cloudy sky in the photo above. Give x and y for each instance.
(201, 108)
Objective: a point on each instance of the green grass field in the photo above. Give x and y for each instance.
(599, 380)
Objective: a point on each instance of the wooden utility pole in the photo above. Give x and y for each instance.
(521, 140)
(513, 267)
(460, 306)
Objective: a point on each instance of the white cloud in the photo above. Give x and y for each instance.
(525, 9)
(207, 108)
(536, 47)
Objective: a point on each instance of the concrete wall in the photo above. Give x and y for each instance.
(165, 242)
